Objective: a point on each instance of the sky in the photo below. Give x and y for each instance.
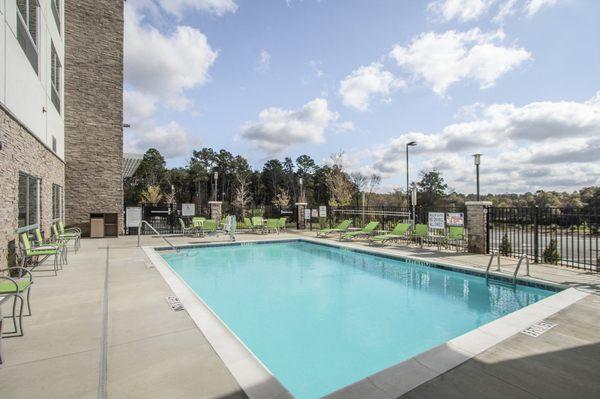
(515, 80)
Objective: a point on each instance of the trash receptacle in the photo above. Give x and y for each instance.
(97, 226)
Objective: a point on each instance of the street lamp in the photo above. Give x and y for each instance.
(216, 175)
(301, 196)
(477, 160)
(409, 144)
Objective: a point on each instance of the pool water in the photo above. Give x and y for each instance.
(321, 317)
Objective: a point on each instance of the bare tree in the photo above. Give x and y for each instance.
(242, 196)
(373, 182)
(359, 180)
(283, 198)
(338, 183)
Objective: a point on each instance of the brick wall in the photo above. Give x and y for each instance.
(477, 226)
(93, 109)
(22, 152)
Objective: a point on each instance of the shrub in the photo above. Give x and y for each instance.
(505, 246)
(550, 254)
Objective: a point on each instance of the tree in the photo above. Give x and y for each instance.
(152, 195)
(283, 199)
(242, 197)
(550, 254)
(338, 183)
(151, 172)
(432, 189)
(272, 178)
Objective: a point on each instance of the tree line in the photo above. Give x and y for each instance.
(278, 183)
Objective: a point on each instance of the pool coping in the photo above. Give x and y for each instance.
(259, 383)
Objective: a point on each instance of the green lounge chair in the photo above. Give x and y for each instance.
(272, 225)
(282, 223)
(399, 233)
(29, 252)
(16, 287)
(209, 226)
(420, 233)
(186, 230)
(456, 237)
(258, 224)
(365, 232)
(340, 228)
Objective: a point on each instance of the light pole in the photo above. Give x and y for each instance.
(477, 159)
(216, 175)
(409, 144)
(301, 195)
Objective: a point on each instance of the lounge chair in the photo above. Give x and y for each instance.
(272, 225)
(456, 237)
(186, 230)
(258, 224)
(70, 232)
(59, 244)
(17, 288)
(367, 231)
(282, 222)
(420, 233)
(340, 228)
(29, 252)
(399, 233)
(209, 226)
(66, 237)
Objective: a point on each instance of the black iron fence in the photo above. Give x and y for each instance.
(565, 236)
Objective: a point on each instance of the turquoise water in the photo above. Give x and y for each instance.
(321, 318)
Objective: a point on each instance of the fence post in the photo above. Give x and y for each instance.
(301, 223)
(536, 230)
(477, 226)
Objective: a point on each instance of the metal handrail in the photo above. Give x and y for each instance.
(523, 256)
(487, 270)
(157, 233)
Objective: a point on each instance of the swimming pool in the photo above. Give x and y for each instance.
(321, 317)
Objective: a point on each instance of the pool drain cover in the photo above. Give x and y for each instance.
(538, 329)
(174, 303)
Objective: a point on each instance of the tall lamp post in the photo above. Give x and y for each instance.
(216, 176)
(409, 144)
(477, 160)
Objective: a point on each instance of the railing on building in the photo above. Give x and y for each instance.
(531, 230)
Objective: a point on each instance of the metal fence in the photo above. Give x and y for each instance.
(535, 231)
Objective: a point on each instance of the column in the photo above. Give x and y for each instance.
(216, 210)
(477, 226)
(300, 207)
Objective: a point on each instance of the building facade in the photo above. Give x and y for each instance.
(61, 137)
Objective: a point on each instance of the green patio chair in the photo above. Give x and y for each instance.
(420, 233)
(247, 224)
(365, 232)
(67, 237)
(16, 287)
(29, 252)
(456, 237)
(258, 224)
(70, 232)
(272, 226)
(209, 226)
(282, 222)
(399, 233)
(186, 230)
(60, 244)
(342, 227)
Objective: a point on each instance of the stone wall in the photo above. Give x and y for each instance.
(477, 226)
(22, 152)
(93, 110)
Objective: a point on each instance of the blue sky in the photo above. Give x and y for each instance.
(516, 80)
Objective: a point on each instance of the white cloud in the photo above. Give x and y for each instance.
(366, 82)
(165, 65)
(504, 10)
(463, 10)
(443, 59)
(264, 61)
(217, 7)
(138, 107)
(172, 140)
(278, 129)
(533, 6)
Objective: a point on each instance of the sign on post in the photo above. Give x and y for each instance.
(133, 215)
(188, 209)
(315, 213)
(455, 219)
(436, 220)
(323, 211)
(306, 214)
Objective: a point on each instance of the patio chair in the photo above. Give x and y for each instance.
(58, 243)
(282, 222)
(17, 288)
(209, 226)
(341, 228)
(247, 224)
(186, 230)
(367, 231)
(420, 233)
(399, 233)
(258, 224)
(71, 231)
(456, 237)
(67, 237)
(272, 226)
(29, 252)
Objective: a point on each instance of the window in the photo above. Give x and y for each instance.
(57, 201)
(29, 200)
(55, 74)
(55, 6)
(27, 29)
(54, 144)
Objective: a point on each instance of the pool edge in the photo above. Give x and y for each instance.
(259, 383)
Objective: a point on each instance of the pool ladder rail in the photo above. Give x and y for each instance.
(176, 249)
(522, 257)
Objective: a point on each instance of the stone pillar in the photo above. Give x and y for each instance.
(477, 226)
(300, 207)
(216, 210)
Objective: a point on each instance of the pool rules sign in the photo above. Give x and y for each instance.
(437, 220)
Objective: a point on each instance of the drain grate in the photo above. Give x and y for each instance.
(174, 303)
(538, 329)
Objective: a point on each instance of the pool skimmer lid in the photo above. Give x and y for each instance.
(538, 329)
(174, 303)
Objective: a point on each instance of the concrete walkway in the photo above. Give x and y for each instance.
(152, 351)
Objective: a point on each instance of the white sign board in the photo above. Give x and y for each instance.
(323, 211)
(455, 219)
(315, 213)
(188, 209)
(436, 220)
(306, 214)
(133, 215)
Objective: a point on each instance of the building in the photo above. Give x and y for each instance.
(61, 134)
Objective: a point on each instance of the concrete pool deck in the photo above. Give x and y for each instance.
(152, 351)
